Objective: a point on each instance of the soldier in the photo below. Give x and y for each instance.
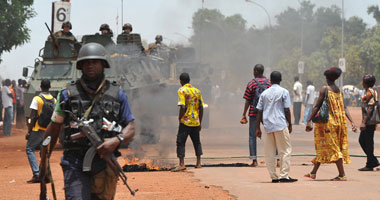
(90, 97)
(124, 36)
(132, 41)
(159, 42)
(65, 32)
(158, 48)
(105, 30)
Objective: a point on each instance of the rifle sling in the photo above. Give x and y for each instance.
(96, 99)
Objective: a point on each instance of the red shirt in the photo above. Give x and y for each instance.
(250, 93)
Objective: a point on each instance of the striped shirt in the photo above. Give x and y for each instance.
(250, 93)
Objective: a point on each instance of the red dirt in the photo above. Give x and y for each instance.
(15, 171)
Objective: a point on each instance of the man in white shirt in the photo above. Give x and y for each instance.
(6, 97)
(309, 101)
(274, 113)
(297, 100)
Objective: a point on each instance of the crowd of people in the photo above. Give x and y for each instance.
(269, 104)
(12, 105)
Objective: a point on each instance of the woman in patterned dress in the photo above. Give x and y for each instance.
(331, 139)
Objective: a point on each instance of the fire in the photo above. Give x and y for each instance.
(151, 165)
(133, 162)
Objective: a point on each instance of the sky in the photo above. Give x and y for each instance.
(170, 18)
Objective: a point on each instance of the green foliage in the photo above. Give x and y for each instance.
(13, 16)
(229, 45)
(374, 10)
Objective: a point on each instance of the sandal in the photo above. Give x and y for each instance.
(310, 175)
(339, 178)
(178, 169)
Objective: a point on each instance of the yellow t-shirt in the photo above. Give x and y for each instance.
(37, 104)
(191, 98)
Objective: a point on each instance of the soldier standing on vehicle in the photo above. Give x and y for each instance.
(159, 43)
(190, 120)
(105, 30)
(125, 36)
(132, 42)
(40, 117)
(91, 97)
(65, 32)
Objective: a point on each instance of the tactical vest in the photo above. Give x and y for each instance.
(108, 107)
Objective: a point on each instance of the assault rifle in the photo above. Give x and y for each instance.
(53, 38)
(89, 132)
(45, 173)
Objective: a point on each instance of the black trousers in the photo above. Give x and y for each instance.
(183, 132)
(297, 112)
(366, 142)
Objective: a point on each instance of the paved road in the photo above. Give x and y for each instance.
(254, 183)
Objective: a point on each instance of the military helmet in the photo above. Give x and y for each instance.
(159, 38)
(127, 26)
(104, 27)
(67, 24)
(92, 51)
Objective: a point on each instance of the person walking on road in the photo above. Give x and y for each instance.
(274, 114)
(35, 130)
(190, 120)
(367, 130)
(297, 100)
(7, 97)
(331, 138)
(251, 95)
(309, 101)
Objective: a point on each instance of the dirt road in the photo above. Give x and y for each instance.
(226, 141)
(15, 171)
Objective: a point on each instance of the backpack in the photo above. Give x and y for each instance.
(260, 89)
(46, 112)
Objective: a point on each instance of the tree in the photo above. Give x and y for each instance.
(13, 16)
(374, 10)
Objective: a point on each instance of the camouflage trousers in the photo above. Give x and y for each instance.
(103, 184)
(81, 185)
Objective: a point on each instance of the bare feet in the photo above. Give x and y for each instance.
(254, 163)
(198, 166)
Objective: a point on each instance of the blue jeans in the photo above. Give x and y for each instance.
(252, 138)
(34, 143)
(8, 118)
(307, 112)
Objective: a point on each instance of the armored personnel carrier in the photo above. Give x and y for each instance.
(57, 65)
(138, 75)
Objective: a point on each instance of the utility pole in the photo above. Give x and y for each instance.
(269, 34)
(200, 36)
(301, 63)
(122, 12)
(343, 65)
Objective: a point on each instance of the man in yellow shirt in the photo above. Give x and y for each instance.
(190, 120)
(35, 130)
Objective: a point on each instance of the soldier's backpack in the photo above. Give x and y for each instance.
(46, 112)
(260, 89)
